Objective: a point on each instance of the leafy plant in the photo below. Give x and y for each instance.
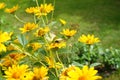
(39, 52)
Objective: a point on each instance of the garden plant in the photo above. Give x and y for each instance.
(37, 51)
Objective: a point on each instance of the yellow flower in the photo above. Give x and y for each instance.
(44, 9)
(68, 33)
(2, 5)
(65, 73)
(61, 44)
(28, 27)
(2, 47)
(75, 73)
(52, 64)
(16, 72)
(56, 45)
(11, 10)
(28, 76)
(31, 10)
(88, 74)
(11, 59)
(63, 22)
(10, 48)
(16, 56)
(40, 73)
(35, 46)
(6, 62)
(42, 31)
(4, 36)
(89, 39)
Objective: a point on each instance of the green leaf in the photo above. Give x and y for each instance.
(55, 78)
(95, 64)
(22, 39)
(1, 76)
(52, 23)
(77, 64)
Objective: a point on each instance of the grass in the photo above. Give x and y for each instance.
(99, 17)
(115, 76)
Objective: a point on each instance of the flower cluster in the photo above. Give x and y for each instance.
(56, 45)
(75, 73)
(22, 72)
(41, 10)
(37, 52)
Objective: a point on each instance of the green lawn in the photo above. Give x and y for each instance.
(115, 76)
(99, 17)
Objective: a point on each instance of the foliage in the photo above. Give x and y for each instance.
(96, 55)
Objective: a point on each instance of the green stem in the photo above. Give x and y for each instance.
(46, 19)
(56, 69)
(34, 58)
(53, 73)
(34, 19)
(44, 1)
(88, 54)
(28, 54)
(0, 71)
(46, 43)
(43, 20)
(18, 18)
(67, 55)
(37, 3)
(59, 58)
(51, 54)
(53, 11)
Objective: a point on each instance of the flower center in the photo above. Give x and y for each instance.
(82, 78)
(15, 76)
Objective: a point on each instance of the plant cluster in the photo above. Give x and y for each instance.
(40, 53)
